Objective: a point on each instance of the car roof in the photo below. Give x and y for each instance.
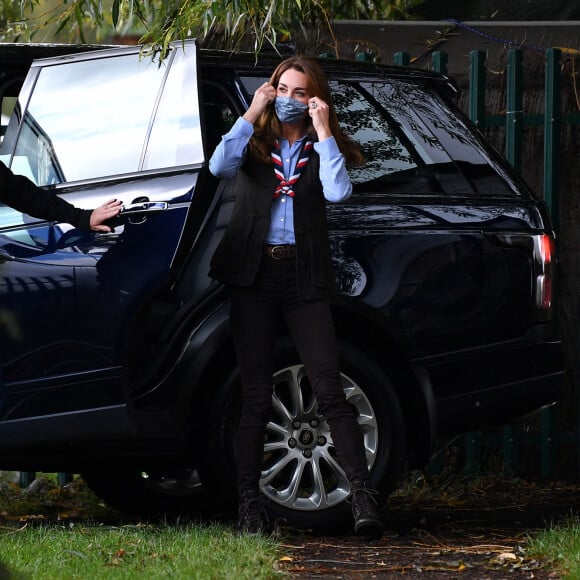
(17, 55)
(265, 62)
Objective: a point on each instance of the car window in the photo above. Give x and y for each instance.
(411, 140)
(384, 150)
(7, 105)
(451, 158)
(176, 136)
(83, 111)
(218, 114)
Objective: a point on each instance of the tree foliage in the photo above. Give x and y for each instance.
(228, 24)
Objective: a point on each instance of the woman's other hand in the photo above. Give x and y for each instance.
(263, 97)
(319, 113)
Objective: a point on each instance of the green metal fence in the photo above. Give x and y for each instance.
(514, 120)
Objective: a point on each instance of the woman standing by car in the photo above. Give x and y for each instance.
(285, 158)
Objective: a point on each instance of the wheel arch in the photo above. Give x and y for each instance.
(377, 337)
(208, 357)
(204, 355)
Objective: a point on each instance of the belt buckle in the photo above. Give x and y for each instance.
(275, 250)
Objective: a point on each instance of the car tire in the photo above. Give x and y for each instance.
(153, 495)
(304, 485)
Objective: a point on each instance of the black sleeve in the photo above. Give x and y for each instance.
(23, 195)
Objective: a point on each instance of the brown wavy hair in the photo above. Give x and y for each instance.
(267, 128)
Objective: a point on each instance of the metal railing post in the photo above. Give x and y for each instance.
(514, 113)
(552, 130)
(477, 87)
(439, 62)
(402, 59)
(26, 478)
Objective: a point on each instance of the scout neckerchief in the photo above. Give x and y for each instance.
(285, 186)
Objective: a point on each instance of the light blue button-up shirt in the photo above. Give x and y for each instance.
(336, 185)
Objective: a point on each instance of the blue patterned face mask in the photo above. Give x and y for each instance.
(289, 110)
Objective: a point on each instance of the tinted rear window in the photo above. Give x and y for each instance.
(447, 156)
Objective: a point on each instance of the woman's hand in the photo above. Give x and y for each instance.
(319, 113)
(263, 97)
(104, 212)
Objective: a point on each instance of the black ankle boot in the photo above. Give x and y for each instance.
(367, 521)
(252, 518)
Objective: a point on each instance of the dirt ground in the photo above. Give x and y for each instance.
(481, 535)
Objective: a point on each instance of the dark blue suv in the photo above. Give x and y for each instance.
(118, 360)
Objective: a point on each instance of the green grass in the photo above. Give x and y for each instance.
(71, 551)
(559, 544)
(47, 532)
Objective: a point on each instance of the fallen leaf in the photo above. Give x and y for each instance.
(508, 556)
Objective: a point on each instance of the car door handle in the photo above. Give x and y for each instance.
(144, 207)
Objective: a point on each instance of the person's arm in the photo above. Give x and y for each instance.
(336, 183)
(22, 194)
(228, 155)
(334, 177)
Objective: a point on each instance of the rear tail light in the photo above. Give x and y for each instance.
(544, 255)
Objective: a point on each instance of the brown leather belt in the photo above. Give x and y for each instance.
(282, 252)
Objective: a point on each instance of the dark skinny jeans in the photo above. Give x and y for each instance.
(254, 318)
